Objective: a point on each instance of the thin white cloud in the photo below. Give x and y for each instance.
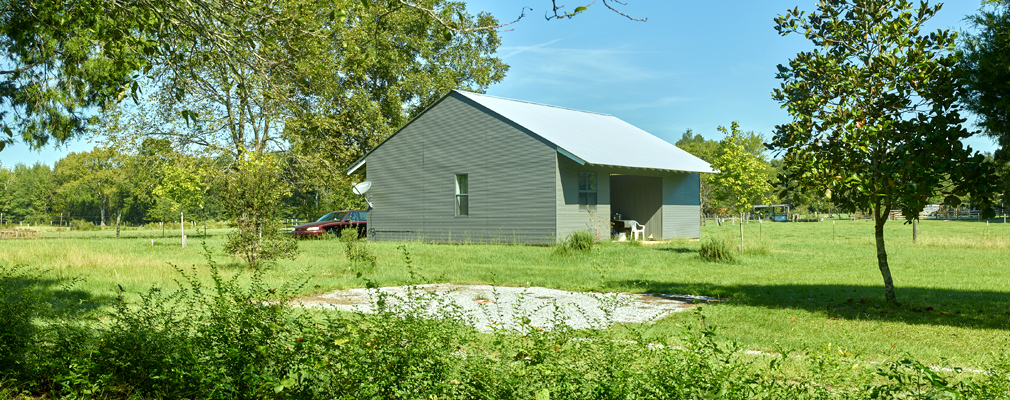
(544, 64)
(515, 50)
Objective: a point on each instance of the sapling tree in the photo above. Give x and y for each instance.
(252, 198)
(875, 121)
(742, 180)
(181, 183)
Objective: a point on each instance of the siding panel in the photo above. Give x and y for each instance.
(682, 205)
(570, 218)
(511, 179)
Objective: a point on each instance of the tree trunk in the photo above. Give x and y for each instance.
(915, 230)
(102, 209)
(119, 217)
(182, 227)
(880, 218)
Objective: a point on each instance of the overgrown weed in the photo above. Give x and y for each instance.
(578, 242)
(716, 249)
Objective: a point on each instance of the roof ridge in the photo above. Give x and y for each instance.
(464, 92)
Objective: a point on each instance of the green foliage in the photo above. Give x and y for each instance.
(742, 180)
(876, 124)
(222, 340)
(32, 191)
(66, 61)
(716, 249)
(82, 225)
(357, 250)
(95, 178)
(19, 306)
(580, 241)
(182, 183)
(394, 62)
(253, 197)
(986, 60)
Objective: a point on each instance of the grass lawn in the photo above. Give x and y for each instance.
(800, 286)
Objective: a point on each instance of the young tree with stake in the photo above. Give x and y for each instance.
(742, 180)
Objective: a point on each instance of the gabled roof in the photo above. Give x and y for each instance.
(589, 138)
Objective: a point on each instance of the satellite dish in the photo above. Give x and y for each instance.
(361, 188)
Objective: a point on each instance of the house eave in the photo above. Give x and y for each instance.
(357, 165)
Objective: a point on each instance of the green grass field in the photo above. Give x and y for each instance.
(798, 286)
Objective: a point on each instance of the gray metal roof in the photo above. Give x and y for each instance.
(592, 137)
(588, 137)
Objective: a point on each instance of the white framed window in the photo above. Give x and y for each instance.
(462, 195)
(587, 191)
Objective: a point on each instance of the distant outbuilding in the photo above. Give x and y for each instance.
(474, 168)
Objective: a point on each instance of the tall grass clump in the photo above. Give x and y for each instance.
(356, 249)
(716, 249)
(580, 241)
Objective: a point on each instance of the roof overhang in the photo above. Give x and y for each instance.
(568, 154)
(357, 165)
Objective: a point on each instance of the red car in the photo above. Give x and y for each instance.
(333, 223)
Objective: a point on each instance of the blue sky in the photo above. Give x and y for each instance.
(693, 65)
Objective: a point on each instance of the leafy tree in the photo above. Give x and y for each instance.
(742, 180)
(6, 189)
(93, 177)
(253, 195)
(392, 65)
(987, 79)
(64, 59)
(875, 119)
(69, 58)
(182, 183)
(709, 150)
(33, 192)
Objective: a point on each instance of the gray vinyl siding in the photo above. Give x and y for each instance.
(570, 218)
(511, 179)
(682, 205)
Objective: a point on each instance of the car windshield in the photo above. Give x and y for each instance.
(333, 216)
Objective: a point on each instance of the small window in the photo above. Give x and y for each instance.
(462, 195)
(587, 191)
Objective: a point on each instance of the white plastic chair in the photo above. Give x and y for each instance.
(637, 230)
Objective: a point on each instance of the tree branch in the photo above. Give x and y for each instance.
(455, 27)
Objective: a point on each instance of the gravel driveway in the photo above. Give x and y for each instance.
(489, 307)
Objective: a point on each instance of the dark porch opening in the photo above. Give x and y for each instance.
(639, 198)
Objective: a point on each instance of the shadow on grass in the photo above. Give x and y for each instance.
(57, 297)
(928, 306)
(678, 250)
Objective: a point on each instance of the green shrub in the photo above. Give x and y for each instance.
(356, 249)
(716, 249)
(253, 195)
(82, 225)
(578, 241)
(19, 306)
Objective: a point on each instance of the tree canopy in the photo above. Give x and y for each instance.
(987, 73)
